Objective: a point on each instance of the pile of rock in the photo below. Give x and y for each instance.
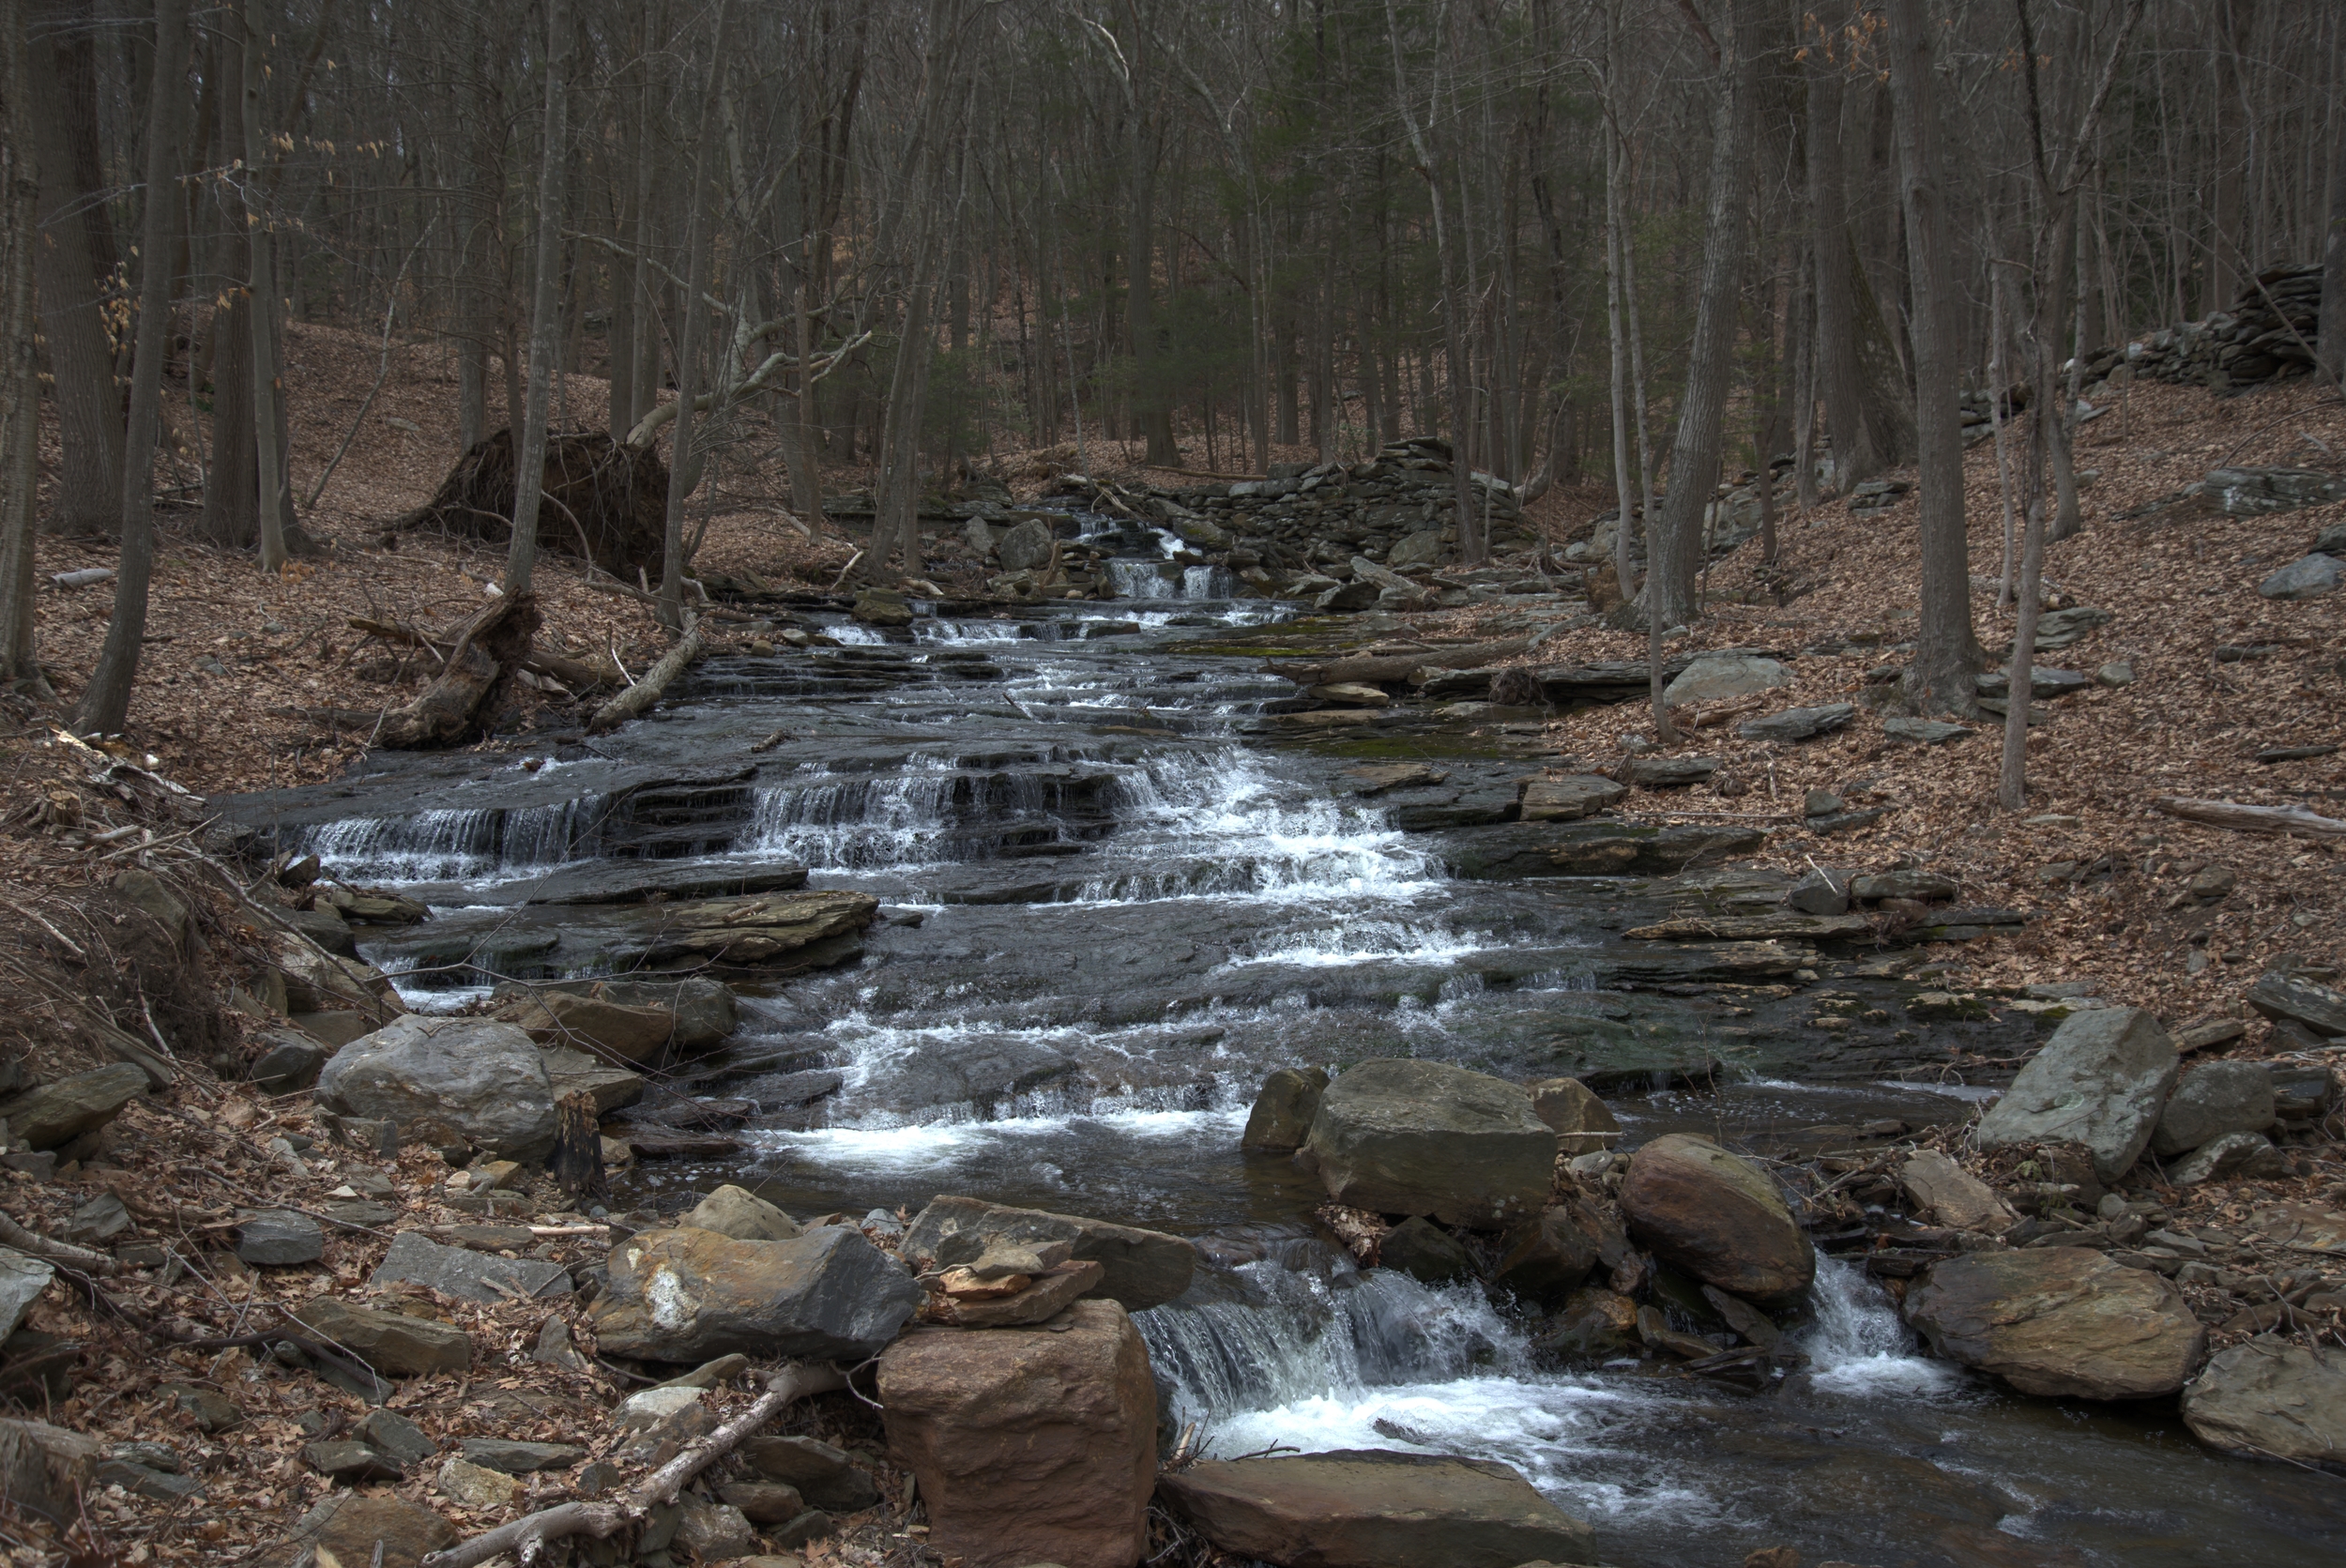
(2268, 335)
(1399, 508)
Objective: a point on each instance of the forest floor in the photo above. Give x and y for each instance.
(230, 652)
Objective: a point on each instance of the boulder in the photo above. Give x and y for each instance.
(1723, 677)
(1028, 1445)
(1798, 723)
(592, 1022)
(2101, 1081)
(2306, 577)
(782, 932)
(486, 1079)
(2213, 1099)
(350, 1526)
(1026, 547)
(1822, 892)
(1281, 1116)
(1421, 548)
(823, 1475)
(691, 1295)
(1346, 597)
(764, 1503)
(1425, 1251)
(23, 1278)
(2060, 1321)
(1924, 886)
(1143, 1268)
(1595, 1325)
(1368, 1508)
(1542, 1261)
(712, 1531)
(2242, 1153)
(1947, 1194)
(702, 1012)
(46, 1468)
(512, 1457)
(1401, 1137)
(2058, 628)
(610, 1088)
(1581, 1121)
(744, 1215)
(1924, 732)
(1717, 1217)
(291, 1062)
(392, 1343)
(278, 1238)
(477, 1486)
(2276, 993)
(466, 1274)
(60, 1111)
(1568, 799)
(1047, 1293)
(2271, 1397)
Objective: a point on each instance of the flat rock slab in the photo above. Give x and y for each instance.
(1925, 732)
(1143, 1268)
(1370, 1508)
(1750, 928)
(2060, 1321)
(2042, 682)
(466, 1274)
(1377, 778)
(2306, 577)
(1721, 677)
(2319, 1008)
(1798, 723)
(823, 1475)
(689, 1295)
(350, 1526)
(60, 1111)
(2270, 1396)
(2065, 627)
(519, 1458)
(1404, 1137)
(1050, 1294)
(23, 1278)
(1591, 849)
(278, 1238)
(2102, 1081)
(391, 1342)
(1568, 799)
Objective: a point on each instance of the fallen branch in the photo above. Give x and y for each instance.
(454, 707)
(526, 1538)
(2251, 820)
(633, 702)
(66, 1253)
(572, 673)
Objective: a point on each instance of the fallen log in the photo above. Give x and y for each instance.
(575, 673)
(482, 666)
(2251, 820)
(1382, 669)
(637, 699)
(527, 1538)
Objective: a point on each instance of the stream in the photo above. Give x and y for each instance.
(1115, 892)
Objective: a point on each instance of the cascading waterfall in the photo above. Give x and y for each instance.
(450, 844)
(1857, 1345)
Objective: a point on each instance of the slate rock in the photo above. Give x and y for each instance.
(23, 1278)
(1717, 1217)
(1051, 1292)
(1798, 723)
(2060, 1322)
(395, 1437)
(391, 1342)
(465, 1273)
(1821, 892)
(210, 1409)
(519, 1458)
(2042, 682)
(2306, 577)
(145, 1481)
(764, 1503)
(1952, 1197)
(1028, 1445)
(2058, 628)
(689, 1295)
(2101, 1081)
(1405, 1137)
(1924, 732)
(1569, 799)
(2271, 1397)
(1370, 1508)
(1282, 1116)
(347, 1526)
(98, 1221)
(2213, 1099)
(744, 1215)
(823, 1475)
(58, 1112)
(349, 1462)
(2279, 995)
(1143, 1268)
(484, 1078)
(1425, 1251)
(1723, 677)
(278, 1238)
(2301, 1093)
(1923, 886)
(2241, 1154)
(1668, 772)
(289, 1064)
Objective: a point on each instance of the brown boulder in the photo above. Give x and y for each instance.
(2060, 1321)
(1375, 1509)
(1582, 1121)
(1544, 1259)
(592, 1020)
(1281, 1116)
(1029, 1445)
(1717, 1217)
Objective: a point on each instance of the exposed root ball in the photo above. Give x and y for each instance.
(603, 500)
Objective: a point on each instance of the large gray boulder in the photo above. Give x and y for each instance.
(23, 1278)
(2306, 577)
(2276, 993)
(1026, 547)
(2213, 1099)
(2101, 1081)
(58, 1112)
(691, 1295)
(2269, 1395)
(466, 1274)
(1371, 1508)
(1419, 1137)
(486, 1079)
(1143, 1268)
(1719, 676)
(2060, 1321)
(738, 1212)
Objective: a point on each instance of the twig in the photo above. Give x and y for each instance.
(25, 1241)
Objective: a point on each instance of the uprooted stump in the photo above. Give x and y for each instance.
(489, 652)
(603, 499)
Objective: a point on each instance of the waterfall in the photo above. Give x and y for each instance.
(440, 845)
(1857, 1344)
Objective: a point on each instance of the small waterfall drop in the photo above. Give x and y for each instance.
(1857, 1344)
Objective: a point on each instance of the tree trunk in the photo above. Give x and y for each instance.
(261, 295)
(106, 702)
(463, 701)
(1674, 545)
(545, 308)
(2332, 322)
(87, 497)
(20, 361)
(683, 472)
(1839, 374)
(1801, 339)
(1946, 654)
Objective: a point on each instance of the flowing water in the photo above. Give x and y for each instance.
(1111, 902)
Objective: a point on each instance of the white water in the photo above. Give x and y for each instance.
(1857, 1346)
(453, 845)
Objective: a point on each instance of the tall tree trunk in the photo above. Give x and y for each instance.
(1839, 374)
(1947, 653)
(263, 295)
(683, 471)
(87, 497)
(20, 363)
(2332, 323)
(1674, 545)
(106, 701)
(545, 315)
(1799, 336)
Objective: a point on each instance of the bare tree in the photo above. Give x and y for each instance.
(530, 450)
(20, 370)
(263, 295)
